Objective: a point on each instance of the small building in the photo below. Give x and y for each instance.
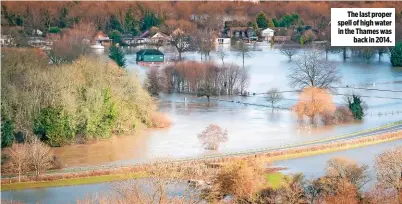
(150, 56)
(222, 41)
(282, 34)
(102, 39)
(37, 32)
(267, 34)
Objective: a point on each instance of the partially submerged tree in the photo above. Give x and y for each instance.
(289, 50)
(274, 96)
(181, 41)
(356, 106)
(221, 54)
(153, 82)
(311, 70)
(314, 102)
(212, 136)
(242, 50)
(396, 55)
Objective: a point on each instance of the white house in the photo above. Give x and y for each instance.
(222, 41)
(267, 34)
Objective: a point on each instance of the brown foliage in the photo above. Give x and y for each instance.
(313, 102)
(346, 194)
(160, 120)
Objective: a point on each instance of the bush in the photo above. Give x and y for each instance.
(396, 55)
(212, 136)
(54, 126)
(7, 133)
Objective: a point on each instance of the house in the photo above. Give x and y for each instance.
(282, 34)
(267, 34)
(6, 40)
(242, 33)
(102, 39)
(161, 38)
(150, 56)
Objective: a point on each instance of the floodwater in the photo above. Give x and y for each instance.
(248, 126)
(71, 194)
(312, 167)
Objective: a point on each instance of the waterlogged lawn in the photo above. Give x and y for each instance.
(274, 179)
(71, 182)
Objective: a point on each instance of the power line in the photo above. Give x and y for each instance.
(368, 89)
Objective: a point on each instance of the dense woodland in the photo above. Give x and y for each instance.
(136, 17)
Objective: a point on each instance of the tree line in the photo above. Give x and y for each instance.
(64, 104)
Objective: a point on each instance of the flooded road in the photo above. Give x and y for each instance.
(249, 127)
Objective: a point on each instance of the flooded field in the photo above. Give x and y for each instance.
(249, 127)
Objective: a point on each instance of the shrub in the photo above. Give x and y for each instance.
(160, 120)
(54, 126)
(396, 55)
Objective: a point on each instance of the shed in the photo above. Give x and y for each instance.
(150, 55)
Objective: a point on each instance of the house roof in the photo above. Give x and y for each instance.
(240, 28)
(267, 29)
(149, 52)
(145, 34)
(101, 36)
(160, 35)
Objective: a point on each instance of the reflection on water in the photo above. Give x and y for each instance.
(249, 127)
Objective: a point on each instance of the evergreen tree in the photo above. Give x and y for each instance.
(117, 55)
(115, 35)
(262, 20)
(7, 133)
(149, 20)
(63, 20)
(396, 55)
(131, 25)
(114, 24)
(355, 106)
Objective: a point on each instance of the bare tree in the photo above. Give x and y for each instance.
(289, 50)
(18, 154)
(212, 136)
(181, 41)
(153, 82)
(274, 96)
(243, 50)
(40, 156)
(345, 169)
(311, 70)
(389, 170)
(221, 54)
(292, 190)
(203, 41)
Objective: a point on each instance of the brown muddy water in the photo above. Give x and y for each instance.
(248, 126)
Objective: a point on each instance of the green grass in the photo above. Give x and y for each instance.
(274, 179)
(71, 182)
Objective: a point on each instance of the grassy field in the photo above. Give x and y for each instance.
(328, 150)
(274, 179)
(71, 182)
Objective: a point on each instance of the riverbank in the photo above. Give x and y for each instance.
(123, 173)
